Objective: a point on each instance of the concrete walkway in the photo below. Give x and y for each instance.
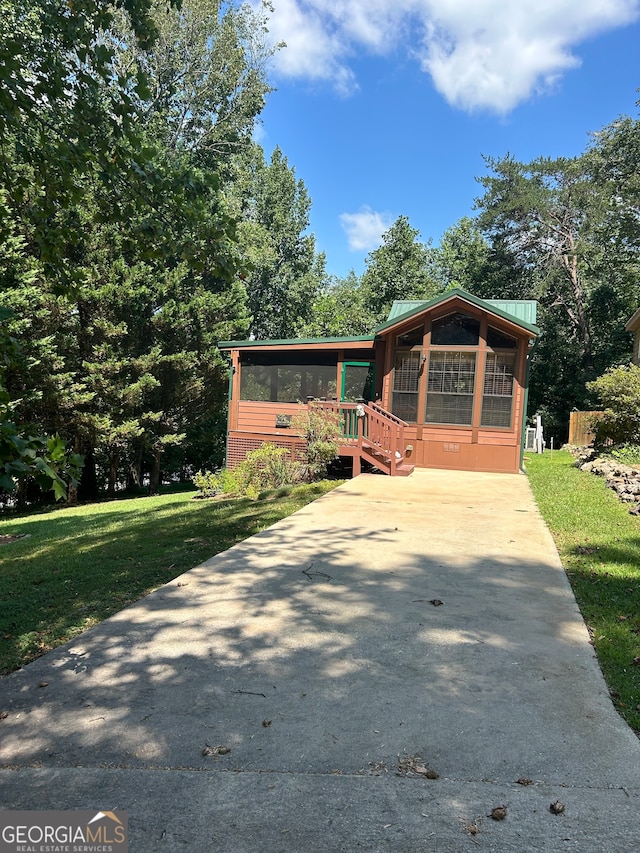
(316, 653)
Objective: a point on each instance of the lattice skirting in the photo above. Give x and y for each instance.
(238, 447)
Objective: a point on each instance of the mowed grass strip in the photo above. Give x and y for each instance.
(75, 566)
(599, 544)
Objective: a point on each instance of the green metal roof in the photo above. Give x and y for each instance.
(404, 306)
(294, 342)
(519, 311)
(523, 309)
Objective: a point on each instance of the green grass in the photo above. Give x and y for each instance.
(599, 544)
(75, 566)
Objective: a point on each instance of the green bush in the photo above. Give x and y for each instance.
(266, 467)
(207, 483)
(619, 391)
(210, 483)
(321, 431)
(269, 467)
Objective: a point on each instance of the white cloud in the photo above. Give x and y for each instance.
(487, 54)
(365, 228)
(494, 54)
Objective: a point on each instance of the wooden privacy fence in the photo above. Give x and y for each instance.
(580, 433)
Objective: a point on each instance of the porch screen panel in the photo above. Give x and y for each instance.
(450, 387)
(406, 376)
(280, 380)
(455, 330)
(497, 398)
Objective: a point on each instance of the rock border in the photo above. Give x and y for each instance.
(623, 479)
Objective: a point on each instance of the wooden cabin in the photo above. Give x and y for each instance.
(441, 384)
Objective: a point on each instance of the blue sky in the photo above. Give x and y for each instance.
(385, 107)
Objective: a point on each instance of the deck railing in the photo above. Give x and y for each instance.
(369, 427)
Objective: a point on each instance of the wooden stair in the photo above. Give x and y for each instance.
(381, 460)
(371, 434)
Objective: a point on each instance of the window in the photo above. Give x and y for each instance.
(500, 340)
(450, 387)
(406, 376)
(457, 329)
(497, 395)
(412, 338)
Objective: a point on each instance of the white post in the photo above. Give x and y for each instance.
(539, 435)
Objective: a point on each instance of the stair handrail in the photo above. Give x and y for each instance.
(377, 428)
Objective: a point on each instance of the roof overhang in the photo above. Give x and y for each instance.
(359, 343)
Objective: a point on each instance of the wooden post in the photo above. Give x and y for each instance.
(357, 457)
(357, 464)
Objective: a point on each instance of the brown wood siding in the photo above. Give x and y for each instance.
(261, 417)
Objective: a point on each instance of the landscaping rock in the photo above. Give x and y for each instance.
(624, 480)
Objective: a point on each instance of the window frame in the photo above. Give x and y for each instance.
(441, 394)
(407, 352)
(513, 354)
(416, 351)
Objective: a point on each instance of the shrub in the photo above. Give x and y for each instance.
(321, 431)
(266, 467)
(619, 390)
(627, 454)
(229, 482)
(207, 483)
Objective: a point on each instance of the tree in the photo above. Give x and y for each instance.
(58, 85)
(340, 309)
(566, 227)
(120, 287)
(205, 75)
(286, 273)
(539, 210)
(398, 269)
(461, 259)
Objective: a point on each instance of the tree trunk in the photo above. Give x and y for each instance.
(155, 474)
(113, 473)
(88, 485)
(134, 472)
(577, 311)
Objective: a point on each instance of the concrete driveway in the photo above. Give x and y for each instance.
(317, 656)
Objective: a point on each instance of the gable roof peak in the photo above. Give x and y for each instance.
(522, 312)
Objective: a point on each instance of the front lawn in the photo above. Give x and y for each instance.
(75, 566)
(599, 544)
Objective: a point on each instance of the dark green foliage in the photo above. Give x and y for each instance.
(567, 232)
(120, 288)
(286, 273)
(398, 269)
(340, 309)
